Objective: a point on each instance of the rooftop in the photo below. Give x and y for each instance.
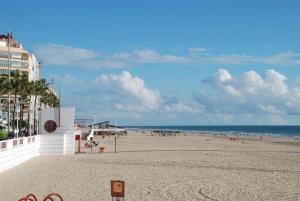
(13, 42)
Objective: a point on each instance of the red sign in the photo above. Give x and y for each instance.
(77, 137)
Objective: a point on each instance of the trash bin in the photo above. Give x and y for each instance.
(101, 150)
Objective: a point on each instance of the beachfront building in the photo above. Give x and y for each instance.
(14, 57)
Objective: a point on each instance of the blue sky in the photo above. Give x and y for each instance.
(167, 62)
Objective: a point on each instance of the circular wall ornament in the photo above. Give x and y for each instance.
(50, 126)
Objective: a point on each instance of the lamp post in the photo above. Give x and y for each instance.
(116, 133)
(8, 61)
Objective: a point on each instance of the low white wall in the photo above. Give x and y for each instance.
(15, 152)
(52, 144)
(61, 143)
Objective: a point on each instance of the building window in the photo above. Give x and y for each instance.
(4, 54)
(14, 55)
(14, 64)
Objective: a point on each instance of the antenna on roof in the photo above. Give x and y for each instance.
(10, 34)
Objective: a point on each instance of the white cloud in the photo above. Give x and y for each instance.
(252, 82)
(130, 107)
(66, 78)
(223, 75)
(151, 56)
(250, 93)
(223, 81)
(288, 58)
(180, 107)
(133, 95)
(55, 54)
(134, 87)
(270, 109)
(285, 58)
(197, 49)
(62, 55)
(275, 83)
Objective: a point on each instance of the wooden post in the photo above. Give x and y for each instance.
(115, 144)
(79, 146)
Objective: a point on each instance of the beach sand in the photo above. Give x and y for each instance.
(183, 168)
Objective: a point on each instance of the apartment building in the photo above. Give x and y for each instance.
(14, 57)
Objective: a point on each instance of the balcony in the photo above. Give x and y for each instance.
(14, 55)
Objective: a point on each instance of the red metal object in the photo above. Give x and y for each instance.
(51, 195)
(77, 137)
(29, 197)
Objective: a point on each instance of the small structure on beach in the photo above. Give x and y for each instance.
(105, 128)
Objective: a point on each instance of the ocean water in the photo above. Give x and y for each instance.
(290, 131)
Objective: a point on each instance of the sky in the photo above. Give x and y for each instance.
(167, 62)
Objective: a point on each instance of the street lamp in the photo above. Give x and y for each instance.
(9, 109)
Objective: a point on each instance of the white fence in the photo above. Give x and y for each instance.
(16, 151)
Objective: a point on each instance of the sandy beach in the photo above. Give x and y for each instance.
(168, 168)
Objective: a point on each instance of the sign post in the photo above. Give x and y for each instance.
(91, 141)
(117, 190)
(77, 138)
(115, 143)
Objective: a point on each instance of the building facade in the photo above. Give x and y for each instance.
(14, 57)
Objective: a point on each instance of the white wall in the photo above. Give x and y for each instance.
(2, 43)
(63, 117)
(15, 155)
(52, 144)
(60, 142)
(69, 144)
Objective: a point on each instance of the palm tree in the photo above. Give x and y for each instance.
(3, 90)
(50, 99)
(30, 90)
(18, 86)
(39, 88)
(3, 86)
(23, 90)
(25, 97)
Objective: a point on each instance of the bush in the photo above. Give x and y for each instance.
(3, 135)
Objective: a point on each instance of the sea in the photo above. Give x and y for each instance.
(287, 131)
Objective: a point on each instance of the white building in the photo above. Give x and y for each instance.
(14, 57)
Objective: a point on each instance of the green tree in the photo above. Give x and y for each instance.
(18, 87)
(39, 87)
